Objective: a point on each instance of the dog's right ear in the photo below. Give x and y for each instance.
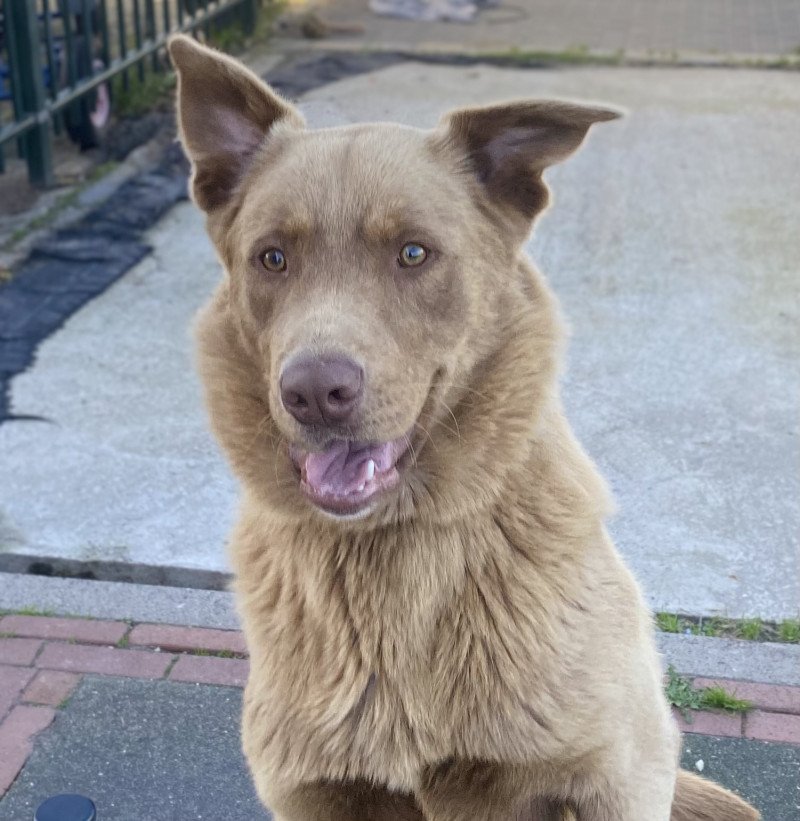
(225, 113)
(508, 146)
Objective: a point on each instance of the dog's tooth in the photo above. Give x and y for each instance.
(370, 470)
(361, 487)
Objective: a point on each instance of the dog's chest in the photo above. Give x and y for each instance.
(344, 699)
(380, 692)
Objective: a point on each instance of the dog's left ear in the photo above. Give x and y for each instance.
(225, 113)
(509, 146)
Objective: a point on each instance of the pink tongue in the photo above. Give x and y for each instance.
(343, 467)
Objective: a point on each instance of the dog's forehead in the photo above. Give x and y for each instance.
(360, 150)
(351, 172)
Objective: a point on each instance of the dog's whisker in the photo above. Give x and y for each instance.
(468, 389)
(411, 448)
(265, 427)
(428, 435)
(263, 423)
(278, 481)
(457, 386)
(447, 427)
(455, 421)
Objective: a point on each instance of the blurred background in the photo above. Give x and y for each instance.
(672, 243)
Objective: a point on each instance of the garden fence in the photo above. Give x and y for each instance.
(58, 57)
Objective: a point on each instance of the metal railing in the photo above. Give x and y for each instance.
(57, 58)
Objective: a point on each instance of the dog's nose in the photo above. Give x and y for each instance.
(322, 389)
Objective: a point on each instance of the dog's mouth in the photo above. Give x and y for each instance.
(346, 478)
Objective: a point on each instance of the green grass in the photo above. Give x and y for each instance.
(673, 623)
(142, 96)
(230, 39)
(31, 611)
(582, 55)
(755, 629)
(61, 204)
(789, 631)
(573, 55)
(268, 14)
(707, 628)
(36, 611)
(718, 698)
(668, 623)
(750, 629)
(220, 654)
(100, 170)
(682, 693)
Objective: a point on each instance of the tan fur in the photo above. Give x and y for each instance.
(473, 649)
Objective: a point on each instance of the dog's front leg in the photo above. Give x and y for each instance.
(478, 791)
(345, 801)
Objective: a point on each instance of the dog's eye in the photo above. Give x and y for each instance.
(274, 260)
(412, 254)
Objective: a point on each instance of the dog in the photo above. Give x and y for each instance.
(439, 626)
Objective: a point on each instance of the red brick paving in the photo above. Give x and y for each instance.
(772, 727)
(12, 683)
(42, 660)
(50, 687)
(87, 631)
(773, 697)
(168, 637)
(207, 670)
(18, 651)
(710, 722)
(109, 661)
(16, 739)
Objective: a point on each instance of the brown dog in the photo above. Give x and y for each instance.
(439, 626)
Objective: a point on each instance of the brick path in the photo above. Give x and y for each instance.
(42, 659)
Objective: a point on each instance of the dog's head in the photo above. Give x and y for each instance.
(379, 346)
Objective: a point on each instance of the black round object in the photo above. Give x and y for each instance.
(66, 807)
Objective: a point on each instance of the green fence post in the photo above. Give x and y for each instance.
(25, 52)
(249, 14)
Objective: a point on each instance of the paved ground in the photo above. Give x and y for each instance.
(157, 750)
(672, 247)
(124, 471)
(644, 27)
(144, 719)
(142, 750)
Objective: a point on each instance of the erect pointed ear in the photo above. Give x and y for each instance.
(509, 146)
(224, 115)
